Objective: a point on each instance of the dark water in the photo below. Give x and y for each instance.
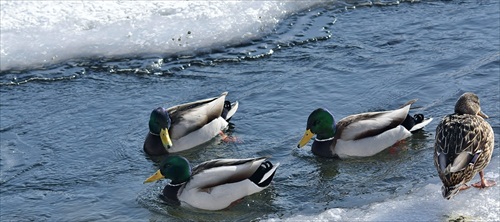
(71, 135)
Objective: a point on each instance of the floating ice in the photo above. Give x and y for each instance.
(37, 33)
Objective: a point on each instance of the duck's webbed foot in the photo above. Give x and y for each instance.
(484, 183)
(229, 139)
(463, 187)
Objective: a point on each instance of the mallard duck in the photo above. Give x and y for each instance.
(463, 146)
(214, 184)
(360, 135)
(188, 125)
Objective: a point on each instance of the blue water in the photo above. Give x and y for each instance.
(79, 79)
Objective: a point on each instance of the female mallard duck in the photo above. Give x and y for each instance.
(187, 125)
(360, 135)
(463, 146)
(214, 184)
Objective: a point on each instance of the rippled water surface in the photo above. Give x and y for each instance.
(72, 132)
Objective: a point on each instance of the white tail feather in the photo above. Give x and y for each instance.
(269, 173)
(420, 125)
(232, 111)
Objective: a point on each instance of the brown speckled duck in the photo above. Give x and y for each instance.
(188, 125)
(463, 146)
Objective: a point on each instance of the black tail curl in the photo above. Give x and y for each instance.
(225, 110)
(260, 172)
(410, 121)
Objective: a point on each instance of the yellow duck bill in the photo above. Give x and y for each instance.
(155, 177)
(165, 138)
(307, 136)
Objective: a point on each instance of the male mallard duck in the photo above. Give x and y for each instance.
(214, 184)
(360, 135)
(463, 146)
(187, 125)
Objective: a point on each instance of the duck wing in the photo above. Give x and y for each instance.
(461, 141)
(370, 124)
(217, 184)
(221, 171)
(190, 117)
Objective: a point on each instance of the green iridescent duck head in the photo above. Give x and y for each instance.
(159, 123)
(175, 168)
(320, 123)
